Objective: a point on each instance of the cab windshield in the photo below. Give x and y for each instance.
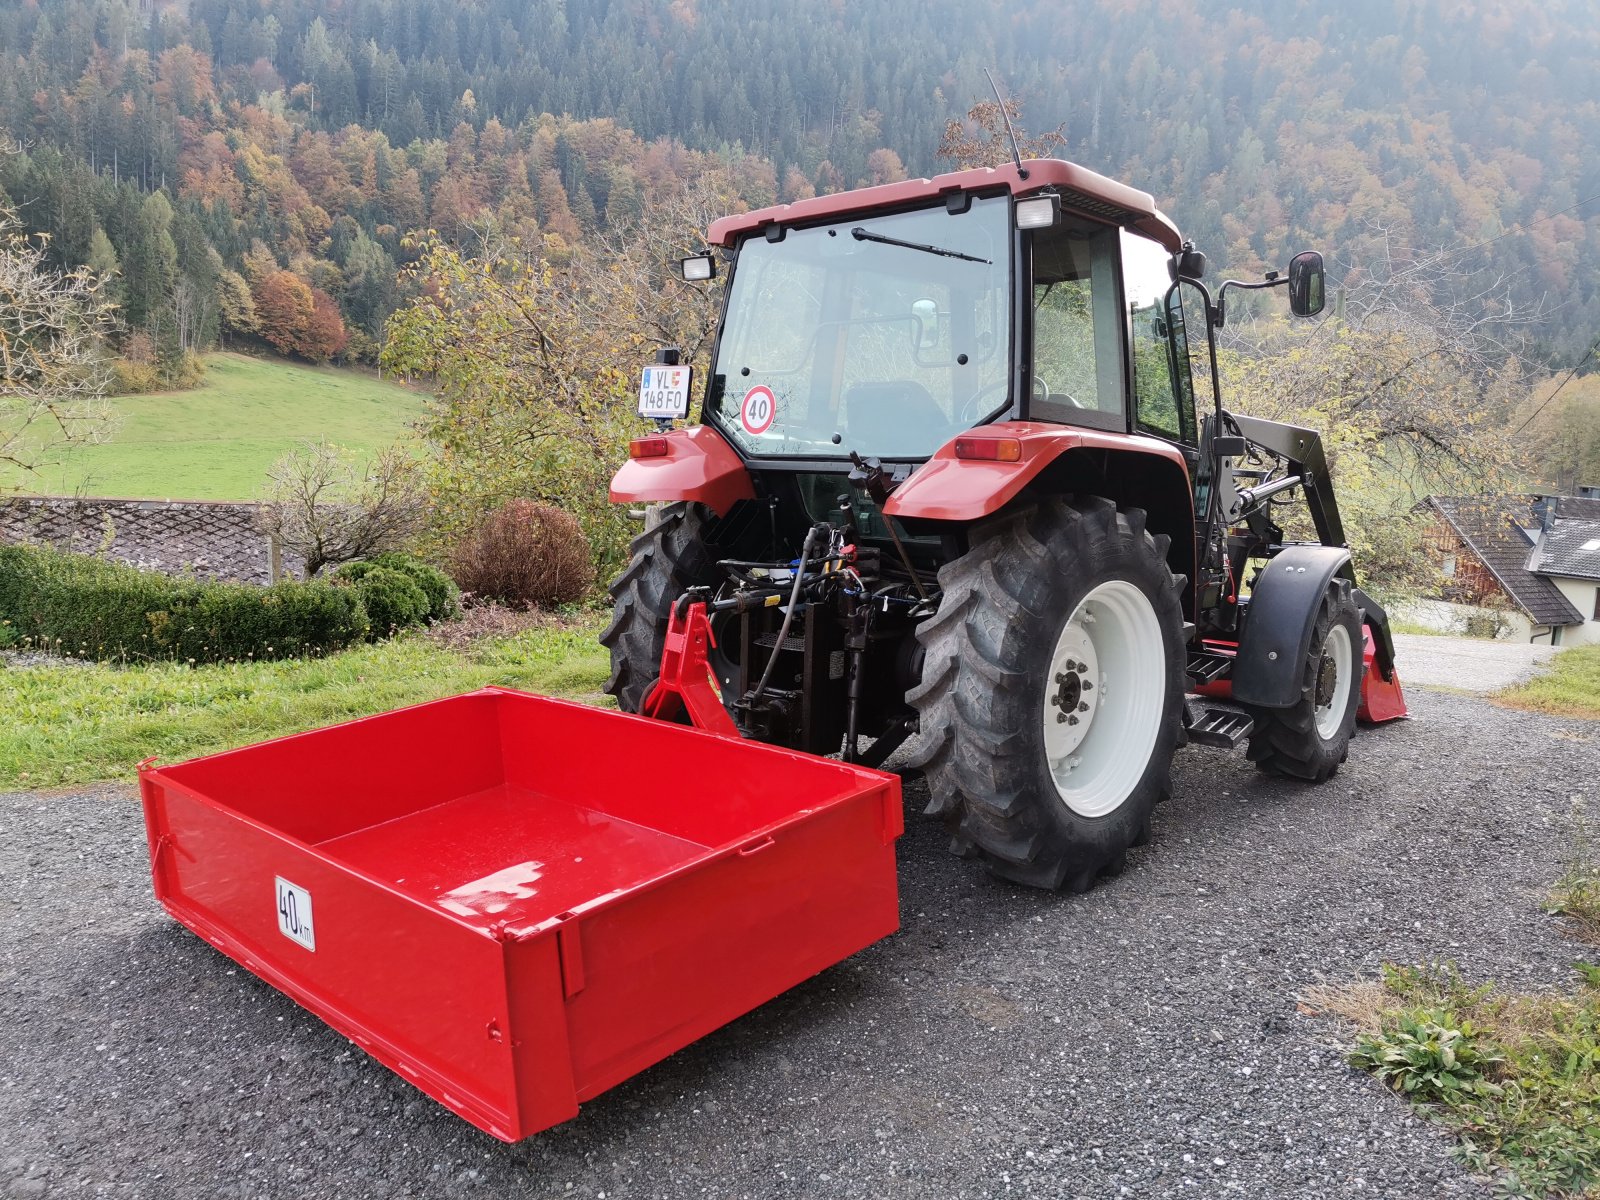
(885, 335)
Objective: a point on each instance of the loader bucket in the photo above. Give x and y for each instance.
(1381, 699)
(516, 902)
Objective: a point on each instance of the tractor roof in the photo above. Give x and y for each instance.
(1080, 188)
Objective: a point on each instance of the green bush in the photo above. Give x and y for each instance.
(392, 599)
(83, 606)
(444, 598)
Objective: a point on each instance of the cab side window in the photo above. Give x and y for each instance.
(1077, 363)
(1163, 391)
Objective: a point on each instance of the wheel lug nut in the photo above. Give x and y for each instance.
(1087, 686)
(1060, 717)
(1072, 720)
(1083, 706)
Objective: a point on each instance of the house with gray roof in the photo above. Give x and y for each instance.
(1524, 566)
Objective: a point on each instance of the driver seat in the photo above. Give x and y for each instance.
(897, 415)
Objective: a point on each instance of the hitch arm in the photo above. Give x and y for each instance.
(685, 682)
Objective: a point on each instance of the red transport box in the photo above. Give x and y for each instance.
(518, 902)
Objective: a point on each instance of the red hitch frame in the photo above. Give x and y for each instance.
(686, 681)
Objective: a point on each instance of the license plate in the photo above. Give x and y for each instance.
(294, 914)
(664, 393)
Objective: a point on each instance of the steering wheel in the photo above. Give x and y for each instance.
(981, 404)
(1043, 391)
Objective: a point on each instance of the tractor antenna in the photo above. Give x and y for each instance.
(1005, 114)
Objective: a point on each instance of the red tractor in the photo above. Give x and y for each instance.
(951, 480)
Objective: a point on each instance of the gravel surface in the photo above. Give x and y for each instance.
(1140, 1040)
(1467, 664)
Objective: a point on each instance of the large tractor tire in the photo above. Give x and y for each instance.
(1051, 696)
(1309, 740)
(667, 559)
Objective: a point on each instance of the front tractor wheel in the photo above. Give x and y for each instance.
(1051, 692)
(1312, 738)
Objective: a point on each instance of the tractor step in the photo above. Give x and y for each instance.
(1207, 666)
(1224, 727)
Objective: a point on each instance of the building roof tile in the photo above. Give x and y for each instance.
(1492, 528)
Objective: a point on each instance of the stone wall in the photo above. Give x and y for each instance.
(211, 539)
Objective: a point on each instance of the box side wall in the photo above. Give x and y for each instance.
(330, 782)
(419, 991)
(706, 789)
(671, 963)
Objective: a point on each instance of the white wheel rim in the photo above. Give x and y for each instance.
(1339, 656)
(1098, 738)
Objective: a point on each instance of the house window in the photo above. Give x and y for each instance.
(1449, 567)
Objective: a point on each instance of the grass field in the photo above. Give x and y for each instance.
(217, 441)
(72, 725)
(1570, 688)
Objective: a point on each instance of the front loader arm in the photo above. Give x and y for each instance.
(1302, 448)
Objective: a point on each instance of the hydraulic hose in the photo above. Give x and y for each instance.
(788, 616)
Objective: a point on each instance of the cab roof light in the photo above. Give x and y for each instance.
(649, 447)
(1038, 212)
(989, 449)
(698, 268)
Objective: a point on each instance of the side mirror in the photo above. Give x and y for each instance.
(925, 313)
(1307, 284)
(1188, 263)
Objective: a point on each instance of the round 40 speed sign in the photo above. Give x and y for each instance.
(758, 409)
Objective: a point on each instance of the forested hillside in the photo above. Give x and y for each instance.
(251, 167)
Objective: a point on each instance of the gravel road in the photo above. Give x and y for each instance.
(1140, 1040)
(1468, 664)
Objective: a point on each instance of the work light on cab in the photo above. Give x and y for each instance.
(1040, 212)
(698, 268)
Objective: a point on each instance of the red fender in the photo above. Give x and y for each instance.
(698, 465)
(947, 488)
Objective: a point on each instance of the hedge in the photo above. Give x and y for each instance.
(393, 600)
(443, 596)
(89, 608)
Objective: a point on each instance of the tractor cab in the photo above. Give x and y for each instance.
(885, 332)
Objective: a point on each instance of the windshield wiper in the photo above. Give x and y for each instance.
(861, 235)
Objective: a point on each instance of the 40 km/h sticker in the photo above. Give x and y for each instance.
(758, 409)
(294, 913)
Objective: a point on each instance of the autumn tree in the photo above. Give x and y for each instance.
(327, 506)
(53, 375)
(238, 306)
(981, 138)
(1410, 392)
(534, 364)
(324, 336)
(1559, 427)
(283, 310)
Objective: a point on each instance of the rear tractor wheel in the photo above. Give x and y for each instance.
(1309, 740)
(1051, 691)
(667, 559)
